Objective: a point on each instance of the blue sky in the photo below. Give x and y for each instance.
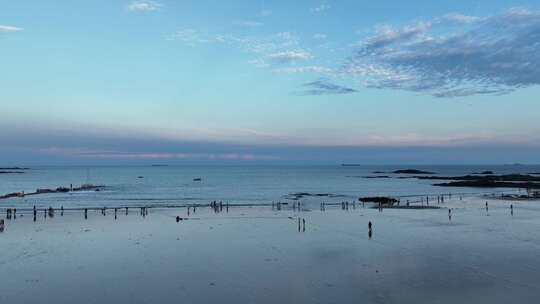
(270, 81)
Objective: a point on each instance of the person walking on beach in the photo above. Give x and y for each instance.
(511, 209)
(370, 231)
(449, 214)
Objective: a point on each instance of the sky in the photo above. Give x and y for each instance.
(370, 82)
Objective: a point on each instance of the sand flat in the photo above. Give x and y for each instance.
(257, 255)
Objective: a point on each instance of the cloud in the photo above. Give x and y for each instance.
(159, 155)
(302, 69)
(249, 23)
(460, 18)
(388, 35)
(319, 36)
(490, 55)
(289, 56)
(144, 6)
(9, 29)
(320, 8)
(325, 87)
(280, 48)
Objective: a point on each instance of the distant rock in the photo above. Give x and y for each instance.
(484, 172)
(14, 168)
(487, 178)
(490, 184)
(488, 181)
(379, 199)
(412, 171)
(11, 172)
(299, 195)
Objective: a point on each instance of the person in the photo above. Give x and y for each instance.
(370, 231)
(449, 214)
(2, 225)
(177, 219)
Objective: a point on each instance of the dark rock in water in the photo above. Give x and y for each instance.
(415, 207)
(11, 172)
(85, 187)
(535, 173)
(484, 172)
(378, 172)
(495, 178)
(14, 194)
(299, 195)
(41, 191)
(14, 168)
(412, 171)
(377, 176)
(490, 184)
(379, 199)
(198, 179)
(62, 189)
(350, 165)
(140, 176)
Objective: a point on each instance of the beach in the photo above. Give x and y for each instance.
(259, 255)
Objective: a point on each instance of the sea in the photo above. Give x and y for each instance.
(162, 185)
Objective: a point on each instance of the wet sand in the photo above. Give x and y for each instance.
(258, 255)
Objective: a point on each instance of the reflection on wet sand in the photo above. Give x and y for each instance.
(221, 253)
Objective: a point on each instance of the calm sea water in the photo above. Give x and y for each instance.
(234, 184)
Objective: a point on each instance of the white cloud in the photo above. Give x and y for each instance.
(9, 29)
(303, 69)
(472, 55)
(144, 6)
(249, 23)
(320, 8)
(320, 36)
(289, 56)
(460, 18)
(276, 49)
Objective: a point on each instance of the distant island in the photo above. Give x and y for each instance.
(484, 172)
(488, 181)
(405, 171)
(412, 171)
(13, 168)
